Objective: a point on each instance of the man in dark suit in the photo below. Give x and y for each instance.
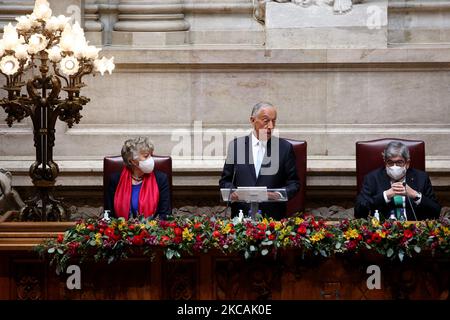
(385, 189)
(261, 160)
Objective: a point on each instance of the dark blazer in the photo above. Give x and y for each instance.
(283, 173)
(164, 194)
(376, 182)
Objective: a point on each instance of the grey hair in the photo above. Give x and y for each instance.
(259, 106)
(133, 147)
(396, 149)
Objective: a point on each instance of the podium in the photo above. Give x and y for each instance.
(254, 196)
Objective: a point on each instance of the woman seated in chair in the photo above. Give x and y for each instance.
(138, 190)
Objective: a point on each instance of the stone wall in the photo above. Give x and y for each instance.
(181, 62)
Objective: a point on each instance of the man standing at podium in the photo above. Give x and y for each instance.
(260, 159)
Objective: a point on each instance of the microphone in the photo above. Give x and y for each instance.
(231, 188)
(409, 200)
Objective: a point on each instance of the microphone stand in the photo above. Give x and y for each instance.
(409, 200)
(231, 188)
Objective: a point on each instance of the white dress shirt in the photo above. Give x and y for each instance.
(258, 146)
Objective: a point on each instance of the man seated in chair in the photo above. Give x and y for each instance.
(138, 190)
(387, 189)
(259, 159)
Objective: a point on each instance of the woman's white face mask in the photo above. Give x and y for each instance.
(147, 165)
(396, 172)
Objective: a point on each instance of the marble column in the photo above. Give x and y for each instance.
(150, 22)
(93, 27)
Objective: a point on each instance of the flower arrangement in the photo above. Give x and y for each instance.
(115, 239)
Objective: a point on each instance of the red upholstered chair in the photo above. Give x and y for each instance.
(115, 164)
(369, 156)
(297, 204)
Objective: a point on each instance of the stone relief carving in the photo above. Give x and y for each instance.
(339, 6)
(9, 198)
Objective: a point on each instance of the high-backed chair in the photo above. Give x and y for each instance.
(369, 156)
(297, 203)
(115, 164)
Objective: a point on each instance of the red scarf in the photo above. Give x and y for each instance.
(148, 196)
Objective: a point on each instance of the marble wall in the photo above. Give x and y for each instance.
(179, 63)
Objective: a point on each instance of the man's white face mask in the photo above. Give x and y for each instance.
(396, 172)
(147, 165)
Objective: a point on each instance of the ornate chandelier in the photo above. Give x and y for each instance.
(61, 54)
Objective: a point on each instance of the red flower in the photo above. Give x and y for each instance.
(375, 237)
(408, 234)
(271, 236)
(216, 234)
(198, 225)
(262, 226)
(178, 232)
(60, 238)
(137, 240)
(90, 227)
(131, 227)
(301, 229)
(109, 232)
(177, 239)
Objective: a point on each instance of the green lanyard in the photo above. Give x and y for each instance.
(399, 207)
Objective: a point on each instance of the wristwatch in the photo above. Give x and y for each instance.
(418, 196)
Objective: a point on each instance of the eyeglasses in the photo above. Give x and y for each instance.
(399, 163)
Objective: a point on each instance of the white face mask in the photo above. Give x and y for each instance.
(147, 165)
(396, 172)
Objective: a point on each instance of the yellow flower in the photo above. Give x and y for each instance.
(285, 241)
(142, 225)
(446, 231)
(375, 222)
(278, 225)
(152, 223)
(226, 229)
(265, 221)
(298, 220)
(351, 234)
(382, 234)
(98, 238)
(187, 235)
(80, 227)
(317, 236)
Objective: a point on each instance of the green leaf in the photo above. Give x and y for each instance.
(264, 252)
(246, 254)
(417, 249)
(323, 253)
(92, 243)
(252, 248)
(51, 250)
(338, 245)
(169, 254)
(389, 253)
(401, 254)
(60, 251)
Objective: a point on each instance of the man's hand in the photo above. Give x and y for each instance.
(397, 189)
(411, 192)
(273, 195)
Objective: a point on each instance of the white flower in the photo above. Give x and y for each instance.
(23, 23)
(10, 37)
(36, 43)
(42, 10)
(54, 54)
(69, 65)
(20, 52)
(104, 65)
(9, 65)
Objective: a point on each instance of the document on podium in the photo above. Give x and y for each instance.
(255, 194)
